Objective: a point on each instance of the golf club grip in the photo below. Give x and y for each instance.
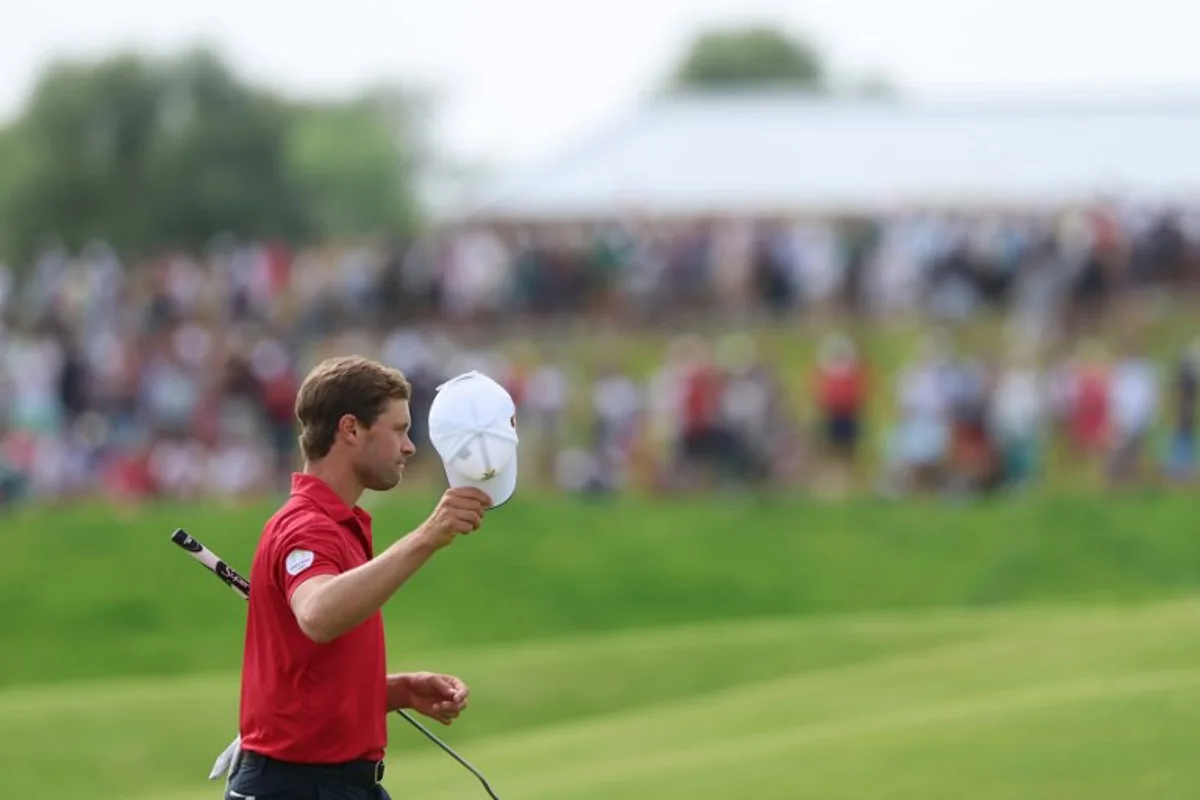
(208, 558)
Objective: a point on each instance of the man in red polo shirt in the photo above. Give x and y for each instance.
(315, 689)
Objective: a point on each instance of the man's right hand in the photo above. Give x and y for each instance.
(459, 512)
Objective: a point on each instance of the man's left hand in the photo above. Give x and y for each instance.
(440, 697)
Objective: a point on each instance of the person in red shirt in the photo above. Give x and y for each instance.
(704, 444)
(841, 394)
(315, 690)
(1090, 411)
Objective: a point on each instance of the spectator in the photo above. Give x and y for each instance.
(919, 445)
(1181, 453)
(749, 411)
(1018, 412)
(841, 386)
(616, 409)
(1089, 401)
(973, 459)
(544, 415)
(704, 443)
(1134, 403)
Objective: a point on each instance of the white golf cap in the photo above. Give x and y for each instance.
(473, 427)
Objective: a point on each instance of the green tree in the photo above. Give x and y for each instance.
(356, 165)
(10, 159)
(153, 154)
(218, 161)
(749, 58)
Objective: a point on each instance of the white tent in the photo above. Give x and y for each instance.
(784, 153)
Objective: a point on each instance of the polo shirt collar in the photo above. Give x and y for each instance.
(319, 492)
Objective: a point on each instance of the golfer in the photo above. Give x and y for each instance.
(315, 690)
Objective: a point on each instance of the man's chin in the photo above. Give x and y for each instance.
(386, 485)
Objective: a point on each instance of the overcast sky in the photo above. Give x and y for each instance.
(520, 77)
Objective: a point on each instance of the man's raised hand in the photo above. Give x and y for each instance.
(459, 512)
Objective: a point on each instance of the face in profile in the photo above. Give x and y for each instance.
(384, 448)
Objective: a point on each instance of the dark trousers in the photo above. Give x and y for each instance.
(262, 778)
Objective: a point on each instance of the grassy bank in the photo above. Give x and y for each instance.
(92, 592)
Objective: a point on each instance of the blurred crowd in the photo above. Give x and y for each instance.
(971, 424)
(176, 377)
(949, 265)
(950, 422)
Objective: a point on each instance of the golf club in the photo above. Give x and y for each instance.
(241, 586)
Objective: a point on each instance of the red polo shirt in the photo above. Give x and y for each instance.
(302, 701)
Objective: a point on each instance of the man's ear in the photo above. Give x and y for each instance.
(349, 428)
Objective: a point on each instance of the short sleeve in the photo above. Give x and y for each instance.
(311, 547)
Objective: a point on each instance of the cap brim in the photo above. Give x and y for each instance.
(499, 487)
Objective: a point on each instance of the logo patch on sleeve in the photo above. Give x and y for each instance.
(297, 561)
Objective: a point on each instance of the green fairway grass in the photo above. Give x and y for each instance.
(724, 648)
(1073, 702)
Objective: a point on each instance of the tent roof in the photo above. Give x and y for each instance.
(780, 152)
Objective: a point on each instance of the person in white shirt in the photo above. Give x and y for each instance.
(1017, 414)
(918, 445)
(1133, 400)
